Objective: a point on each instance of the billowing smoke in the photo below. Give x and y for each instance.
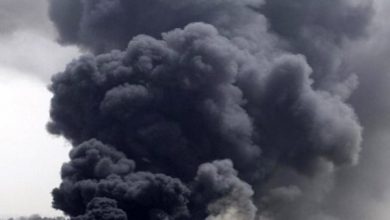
(103, 208)
(206, 109)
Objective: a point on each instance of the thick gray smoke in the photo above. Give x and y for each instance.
(213, 110)
(319, 29)
(362, 192)
(103, 208)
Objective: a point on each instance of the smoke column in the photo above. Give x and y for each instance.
(206, 109)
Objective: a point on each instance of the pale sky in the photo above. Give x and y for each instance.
(30, 158)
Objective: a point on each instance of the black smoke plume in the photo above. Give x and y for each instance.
(215, 110)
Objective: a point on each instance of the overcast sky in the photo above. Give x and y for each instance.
(30, 158)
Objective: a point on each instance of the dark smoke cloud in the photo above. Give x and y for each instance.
(262, 84)
(182, 95)
(97, 170)
(103, 25)
(320, 29)
(102, 209)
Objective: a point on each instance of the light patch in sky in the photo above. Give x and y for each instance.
(34, 54)
(30, 158)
